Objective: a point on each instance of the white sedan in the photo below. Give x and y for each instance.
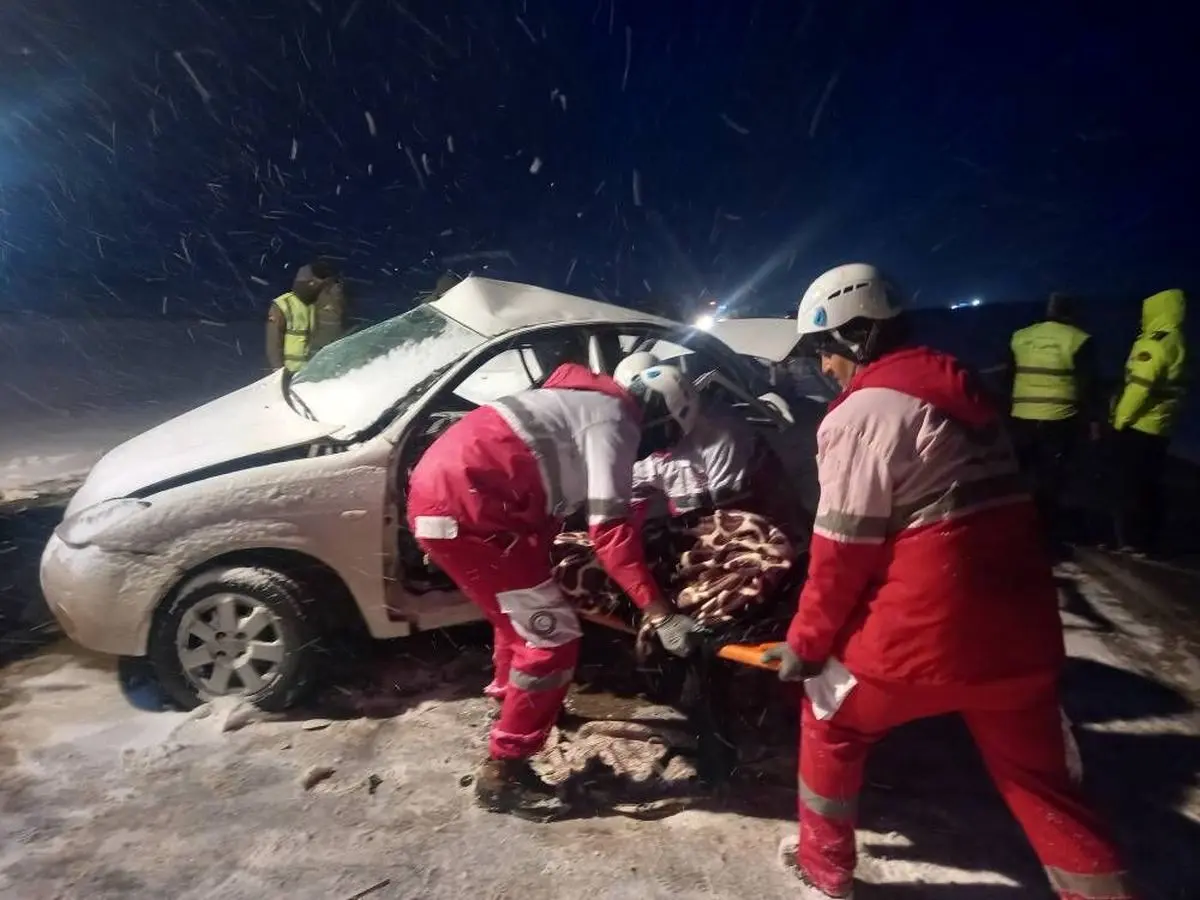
(227, 543)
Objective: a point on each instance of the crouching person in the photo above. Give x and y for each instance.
(485, 502)
(929, 592)
(728, 536)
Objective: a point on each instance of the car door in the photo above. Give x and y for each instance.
(418, 593)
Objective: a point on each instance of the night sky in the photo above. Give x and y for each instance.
(198, 150)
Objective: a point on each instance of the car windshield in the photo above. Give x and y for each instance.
(356, 380)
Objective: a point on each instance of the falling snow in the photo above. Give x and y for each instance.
(740, 129)
(269, 133)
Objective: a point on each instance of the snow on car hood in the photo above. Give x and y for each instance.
(255, 419)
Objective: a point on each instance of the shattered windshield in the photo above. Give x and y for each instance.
(354, 381)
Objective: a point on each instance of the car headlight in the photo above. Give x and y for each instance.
(87, 525)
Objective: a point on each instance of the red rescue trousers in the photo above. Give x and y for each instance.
(507, 575)
(1021, 734)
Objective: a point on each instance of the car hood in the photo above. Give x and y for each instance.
(769, 339)
(246, 423)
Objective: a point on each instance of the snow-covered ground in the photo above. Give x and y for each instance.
(100, 799)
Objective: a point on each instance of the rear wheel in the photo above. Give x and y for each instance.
(237, 631)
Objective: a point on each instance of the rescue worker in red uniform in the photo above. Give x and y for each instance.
(929, 592)
(485, 502)
(722, 463)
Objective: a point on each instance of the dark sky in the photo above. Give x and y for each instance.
(199, 149)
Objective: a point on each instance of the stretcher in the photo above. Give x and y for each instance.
(742, 654)
(717, 756)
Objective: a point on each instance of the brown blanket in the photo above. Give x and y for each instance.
(718, 567)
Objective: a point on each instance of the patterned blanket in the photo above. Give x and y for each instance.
(720, 568)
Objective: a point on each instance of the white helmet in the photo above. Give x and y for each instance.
(666, 397)
(632, 365)
(854, 291)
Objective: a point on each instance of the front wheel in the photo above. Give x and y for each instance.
(237, 631)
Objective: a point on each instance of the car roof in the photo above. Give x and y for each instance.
(492, 308)
(770, 339)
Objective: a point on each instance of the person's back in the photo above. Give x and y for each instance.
(569, 426)
(1045, 385)
(1054, 391)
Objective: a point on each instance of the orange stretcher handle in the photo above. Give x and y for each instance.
(742, 654)
(749, 655)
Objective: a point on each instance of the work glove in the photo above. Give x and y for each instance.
(679, 634)
(791, 667)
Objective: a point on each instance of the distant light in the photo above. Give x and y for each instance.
(705, 322)
(963, 304)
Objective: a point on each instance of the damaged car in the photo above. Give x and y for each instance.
(227, 544)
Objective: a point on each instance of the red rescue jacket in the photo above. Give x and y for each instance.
(926, 564)
(526, 462)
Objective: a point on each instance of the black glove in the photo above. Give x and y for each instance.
(791, 667)
(679, 634)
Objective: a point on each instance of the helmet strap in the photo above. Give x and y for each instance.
(860, 352)
(844, 347)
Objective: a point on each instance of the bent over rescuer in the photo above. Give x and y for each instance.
(487, 499)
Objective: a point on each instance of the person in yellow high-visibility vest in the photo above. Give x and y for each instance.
(292, 317)
(1053, 395)
(1143, 420)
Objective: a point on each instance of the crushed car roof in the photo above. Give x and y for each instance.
(492, 308)
(769, 339)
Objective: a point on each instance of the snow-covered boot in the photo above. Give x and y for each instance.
(808, 891)
(511, 786)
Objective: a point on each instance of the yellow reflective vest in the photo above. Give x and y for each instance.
(1044, 384)
(299, 318)
(1154, 372)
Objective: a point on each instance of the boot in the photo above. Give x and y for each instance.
(511, 786)
(808, 891)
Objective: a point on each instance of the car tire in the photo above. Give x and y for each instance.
(269, 654)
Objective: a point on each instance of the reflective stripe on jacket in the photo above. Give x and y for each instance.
(584, 430)
(723, 463)
(298, 318)
(1155, 370)
(709, 468)
(926, 565)
(1044, 384)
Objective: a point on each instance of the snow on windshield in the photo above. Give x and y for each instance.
(353, 381)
